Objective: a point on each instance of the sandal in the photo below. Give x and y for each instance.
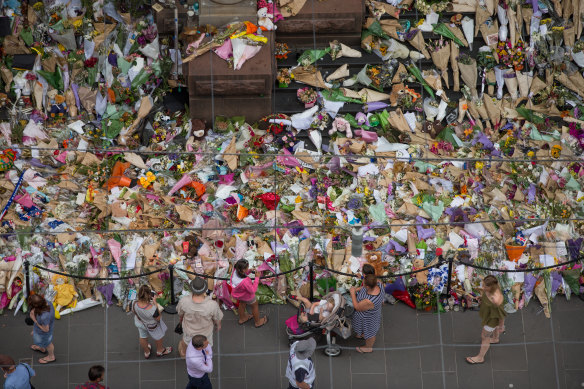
(44, 360)
(167, 350)
(249, 317)
(471, 361)
(147, 355)
(264, 322)
(360, 350)
(39, 349)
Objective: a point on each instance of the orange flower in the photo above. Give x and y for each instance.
(112, 95)
(464, 107)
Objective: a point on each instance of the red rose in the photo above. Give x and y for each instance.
(270, 200)
(89, 63)
(219, 244)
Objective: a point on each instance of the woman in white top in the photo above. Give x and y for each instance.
(148, 321)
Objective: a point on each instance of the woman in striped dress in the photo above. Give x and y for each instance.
(367, 301)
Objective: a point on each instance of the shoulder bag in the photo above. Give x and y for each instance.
(149, 327)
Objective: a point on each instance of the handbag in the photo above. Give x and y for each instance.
(150, 327)
(179, 328)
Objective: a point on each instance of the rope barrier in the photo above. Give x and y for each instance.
(227, 278)
(382, 277)
(535, 269)
(99, 278)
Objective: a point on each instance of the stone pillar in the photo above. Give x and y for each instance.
(246, 92)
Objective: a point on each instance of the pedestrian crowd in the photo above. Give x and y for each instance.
(199, 315)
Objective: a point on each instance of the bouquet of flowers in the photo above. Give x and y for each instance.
(284, 77)
(578, 53)
(428, 6)
(468, 72)
(424, 296)
(440, 52)
(307, 96)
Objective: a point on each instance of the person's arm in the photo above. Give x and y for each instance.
(364, 305)
(157, 315)
(256, 281)
(360, 306)
(207, 367)
(302, 385)
(299, 376)
(304, 301)
(44, 328)
(217, 316)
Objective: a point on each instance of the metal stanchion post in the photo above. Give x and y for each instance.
(27, 278)
(448, 287)
(171, 308)
(311, 275)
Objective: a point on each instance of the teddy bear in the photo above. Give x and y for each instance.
(265, 19)
(57, 105)
(421, 276)
(341, 125)
(65, 296)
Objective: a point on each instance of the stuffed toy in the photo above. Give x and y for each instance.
(421, 276)
(65, 296)
(265, 19)
(341, 125)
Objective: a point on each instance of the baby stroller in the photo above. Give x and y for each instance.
(336, 323)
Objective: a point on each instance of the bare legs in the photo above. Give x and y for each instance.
(159, 346)
(145, 345)
(486, 339)
(368, 348)
(255, 313)
(50, 354)
(243, 315)
(182, 348)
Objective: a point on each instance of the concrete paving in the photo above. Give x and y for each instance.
(413, 350)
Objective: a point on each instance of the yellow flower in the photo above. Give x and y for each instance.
(298, 199)
(78, 23)
(61, 47)
(479, 165)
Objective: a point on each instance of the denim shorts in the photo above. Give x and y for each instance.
(42, 339)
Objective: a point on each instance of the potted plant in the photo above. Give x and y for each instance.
(307, 96)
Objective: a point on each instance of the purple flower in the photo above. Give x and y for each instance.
(113, 59)
(354, 203)
(531, 193)
(484, 140)
(142, 40)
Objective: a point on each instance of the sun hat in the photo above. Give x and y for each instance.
(305, 348)
(198, 285)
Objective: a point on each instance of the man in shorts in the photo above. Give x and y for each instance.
(198, 314)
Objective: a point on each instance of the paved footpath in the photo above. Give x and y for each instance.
(414, 350)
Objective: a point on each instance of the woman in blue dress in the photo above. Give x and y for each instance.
(367, 300)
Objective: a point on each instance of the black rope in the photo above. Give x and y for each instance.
(99, 278)
(535, 269)
(227, 278)
(382, 277)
